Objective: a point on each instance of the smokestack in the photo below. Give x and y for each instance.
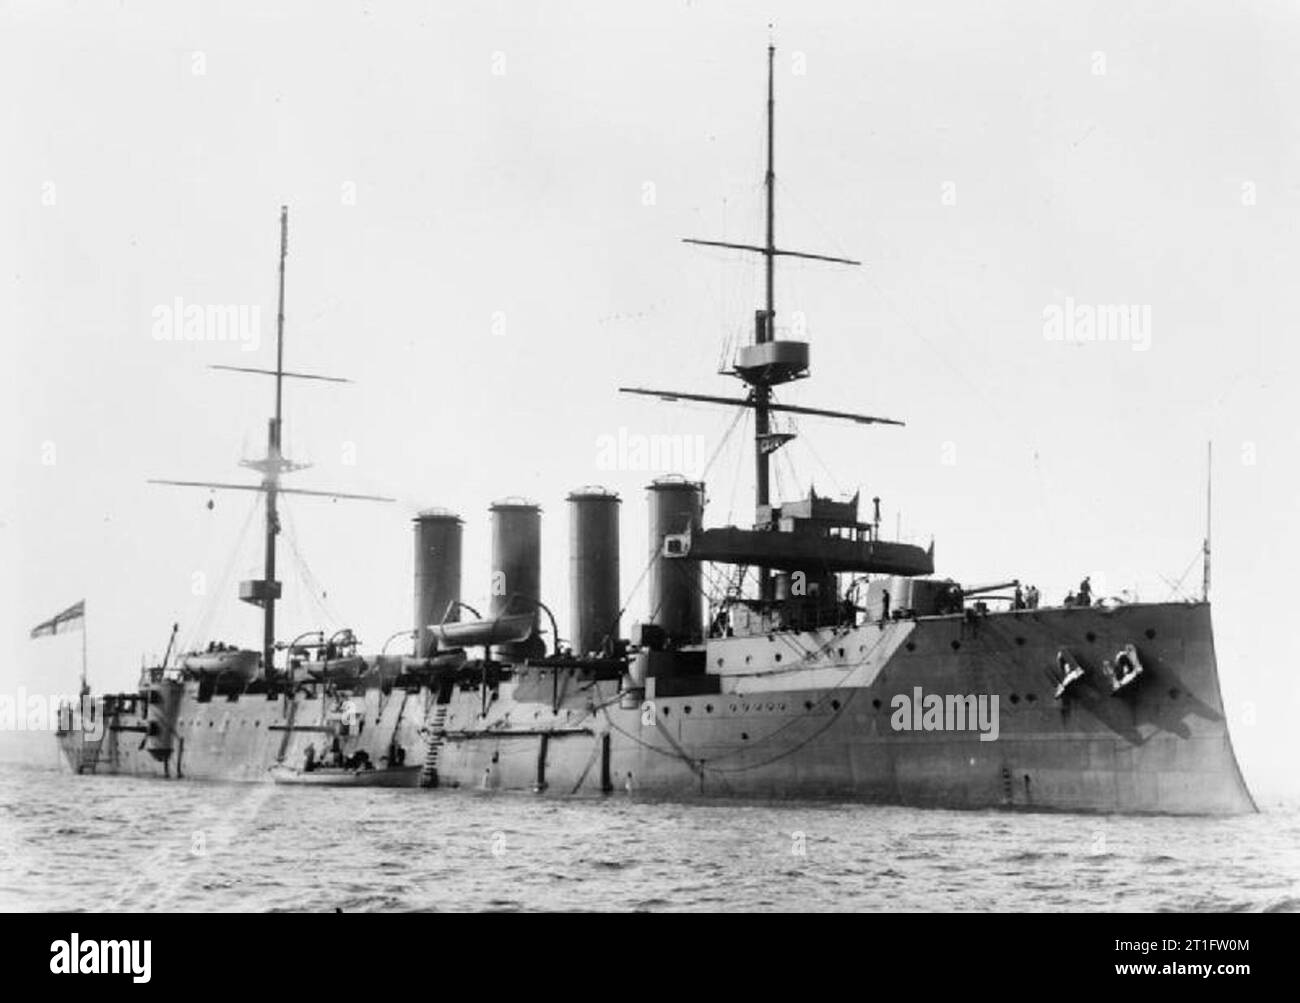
(593, 568)
(437, 572)
(516, 560)
(676, 505)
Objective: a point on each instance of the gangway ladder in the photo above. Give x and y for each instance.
(437, 735)
(92, 751)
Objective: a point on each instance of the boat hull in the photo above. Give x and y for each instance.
(243, 664)
(402, 776)
(823, 722)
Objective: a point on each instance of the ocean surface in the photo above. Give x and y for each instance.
(111, 843)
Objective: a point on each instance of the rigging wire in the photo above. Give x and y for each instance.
(193, 637)
(735, 480)
(780, 479)
(1176, 586)
(636, 586)
(807, 444)
(313, 587)
(989, 404)
(740, 413)
(824, 233)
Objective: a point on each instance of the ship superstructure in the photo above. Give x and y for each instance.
(833, 664)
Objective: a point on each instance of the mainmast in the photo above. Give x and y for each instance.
(274, 457)
(264, 592)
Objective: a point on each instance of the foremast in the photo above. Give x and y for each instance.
(767, 363)
(766, 323)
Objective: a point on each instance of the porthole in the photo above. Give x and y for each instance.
(686, 709)
(719, 663)
(708, 708)
(876, 704)
(1015, 698)
(777, 657)
(1090, 636)
(1150, 633)
(956, 645)
(1173, 694)
(1020, 641)
(1030, 697)
(666, 710)
(841, 652)
(748, 659)
(910, 646)
(835, 705)
(744, 736)
(733, 708)
(807, 705)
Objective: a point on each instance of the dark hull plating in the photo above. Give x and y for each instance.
(809, 715)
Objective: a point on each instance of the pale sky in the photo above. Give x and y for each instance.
(486, 203)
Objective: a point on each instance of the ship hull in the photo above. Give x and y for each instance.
(825, 720)
(245, 738)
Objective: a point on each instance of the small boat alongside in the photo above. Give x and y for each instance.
(342, 776)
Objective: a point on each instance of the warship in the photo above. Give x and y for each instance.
(830, 663)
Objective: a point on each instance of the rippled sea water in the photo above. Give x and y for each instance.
(113, 843)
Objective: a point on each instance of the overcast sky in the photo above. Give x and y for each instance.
(486, 203)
